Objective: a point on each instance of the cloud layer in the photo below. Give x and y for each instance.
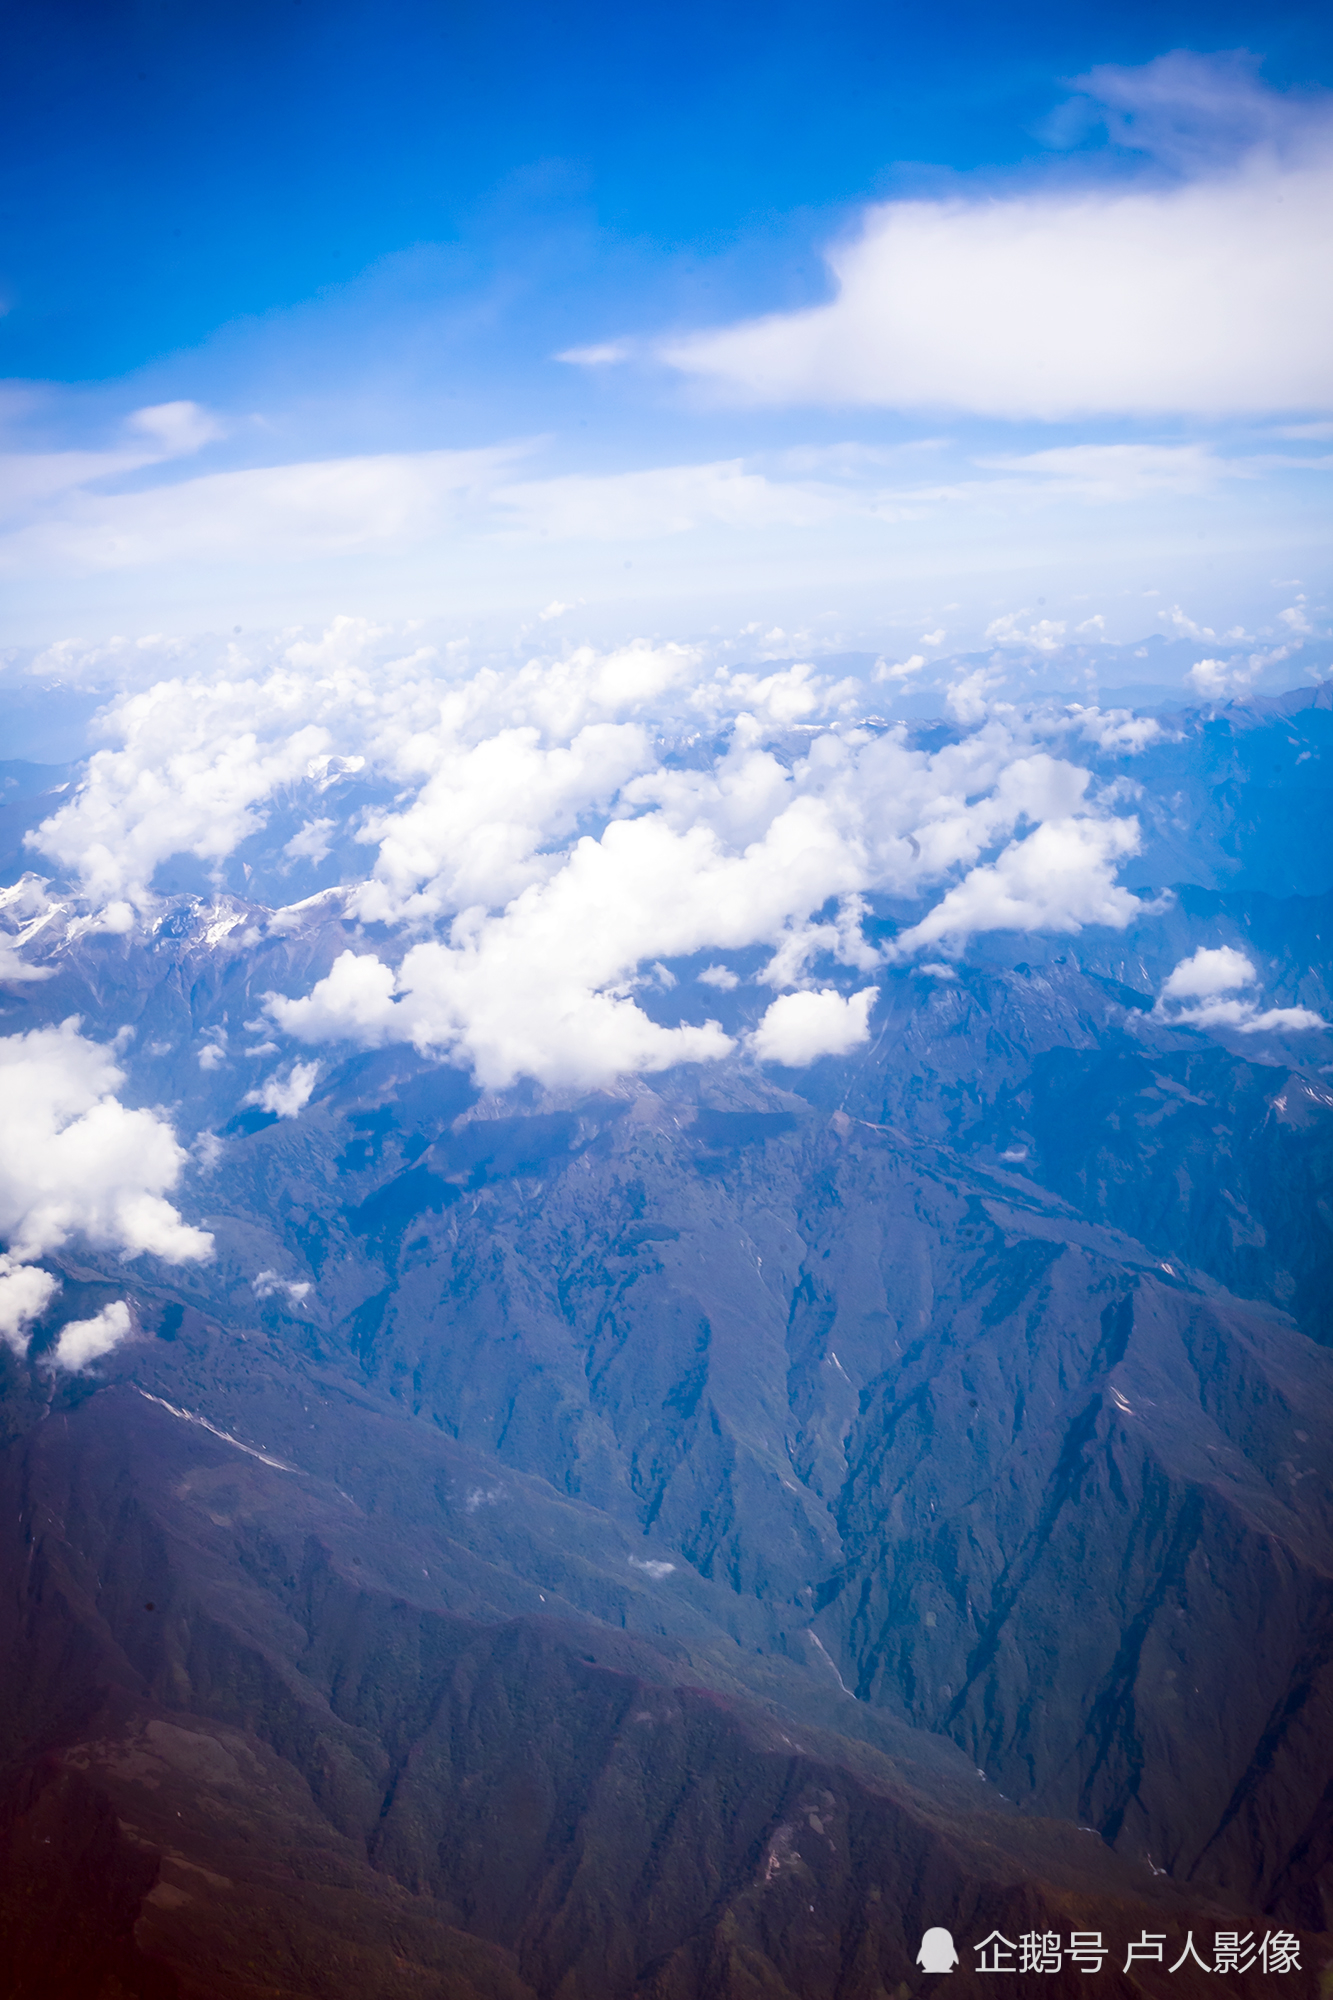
(563, 841)
(572, 868)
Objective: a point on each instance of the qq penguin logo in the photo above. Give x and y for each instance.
(937, 1952)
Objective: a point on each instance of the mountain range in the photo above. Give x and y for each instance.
(690, 1532)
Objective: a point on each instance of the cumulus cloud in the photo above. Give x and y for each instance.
(1043, 635)
(1221, 680)
(78, 1163)
(800, 1027)
(169, 791)
(1058, 879)
(1205, 294)
(1114, 729)
(1207, 991)
(557, 1016)
(560, 833)
(288, 1095)
(474, 831)
(1297, 619)
(85, 1340)
(25, 1293)
(733, 855)
(199, 760)
(1224, 970)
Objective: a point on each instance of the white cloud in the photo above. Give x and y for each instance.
(661, 501)
(1224, 970)
(1213, 679)
(76, 1162)
(287, 1096)
(164, 431)
(800, 1027)
(968, 698)
(1186, 625)
(725, 858)
(1044, 635)
(201, 757)
(599, 355)
(902, 671)
(258, 514)
(60, 519)
(720, 976)
(85, 1340)
(177, 428)
(267, 1284)
(312, 842)
(1114, 729)
(1106, 472)
(1190, 111)
(1207, 294)
(1243, 1016)
(1058, 879)
(17, 971)
(1208, 979)
(1224, 680)
(25, 1293)
(1296, 618)
(519, 1000)
(539, 979)
(187, 782)
(550, 853)
(393, 527)
(474, 831)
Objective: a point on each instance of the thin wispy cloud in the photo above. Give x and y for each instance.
(1115, 360)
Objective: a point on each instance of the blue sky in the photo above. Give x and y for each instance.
(327, 236)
